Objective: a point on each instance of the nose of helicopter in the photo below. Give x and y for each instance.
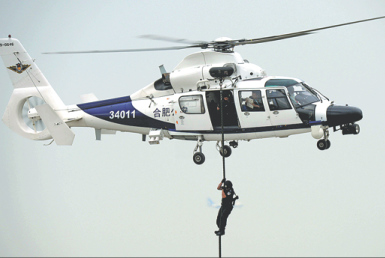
(338, 115)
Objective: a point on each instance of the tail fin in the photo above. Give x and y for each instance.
(31, 89)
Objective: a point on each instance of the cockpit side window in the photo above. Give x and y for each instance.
(277, 100)
(300, 94)
(251, 100)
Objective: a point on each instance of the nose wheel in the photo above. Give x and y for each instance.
(324, 144)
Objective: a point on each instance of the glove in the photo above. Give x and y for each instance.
(223, 180)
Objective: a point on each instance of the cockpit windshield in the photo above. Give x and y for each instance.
(300, 95)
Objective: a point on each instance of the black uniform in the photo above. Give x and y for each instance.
(229, 113)
(225, 210)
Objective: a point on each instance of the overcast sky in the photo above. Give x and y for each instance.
(122, 197)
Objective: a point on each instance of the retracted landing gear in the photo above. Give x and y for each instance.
(324, 144)
(199, 157)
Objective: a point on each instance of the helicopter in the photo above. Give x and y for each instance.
(210, 94)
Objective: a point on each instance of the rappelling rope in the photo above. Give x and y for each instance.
(223, 135)
(223, 156)
(220, 247)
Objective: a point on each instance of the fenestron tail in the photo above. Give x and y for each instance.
(31, 92)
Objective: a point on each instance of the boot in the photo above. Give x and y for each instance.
(219, 232)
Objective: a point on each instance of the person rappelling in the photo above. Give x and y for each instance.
(228, 201)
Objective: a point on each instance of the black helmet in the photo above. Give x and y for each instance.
(228, 184)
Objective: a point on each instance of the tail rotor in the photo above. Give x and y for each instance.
(30, 116)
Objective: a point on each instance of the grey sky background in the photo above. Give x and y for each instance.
(123, 197)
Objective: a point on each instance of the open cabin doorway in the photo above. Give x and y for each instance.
(230, 117)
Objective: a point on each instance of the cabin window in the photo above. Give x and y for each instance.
(277, 100)
(251, 101)
(192, 104)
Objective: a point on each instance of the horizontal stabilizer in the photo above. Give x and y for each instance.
(59, 130)
(90, 97)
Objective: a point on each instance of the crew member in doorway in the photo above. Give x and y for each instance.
(229, 113)
(228, 201)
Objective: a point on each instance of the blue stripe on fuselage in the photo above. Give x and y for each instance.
(101, 103)
(121, 111)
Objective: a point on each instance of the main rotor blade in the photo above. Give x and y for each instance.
(297, 34)
(174, 40)
(221, 46)
(121, 50)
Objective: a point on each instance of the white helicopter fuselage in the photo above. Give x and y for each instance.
(181, 109)
(186, 104)
(187, 115)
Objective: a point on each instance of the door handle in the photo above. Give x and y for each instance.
(181, 117)
(246, 113)
(276, 112)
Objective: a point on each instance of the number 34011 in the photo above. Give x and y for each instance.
(122, 114)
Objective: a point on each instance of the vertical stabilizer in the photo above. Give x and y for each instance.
(31, 89)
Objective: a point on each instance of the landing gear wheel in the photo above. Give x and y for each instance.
(328, 144)
(199, 158)
(226, 151)
(322, 144)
